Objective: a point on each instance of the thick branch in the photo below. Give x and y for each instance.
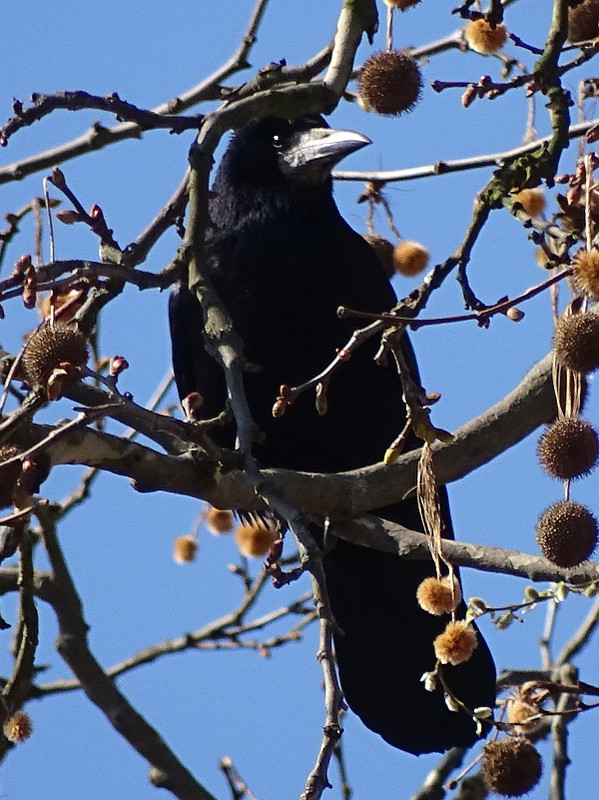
(338, 496)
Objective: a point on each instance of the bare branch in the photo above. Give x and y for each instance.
(167, 770)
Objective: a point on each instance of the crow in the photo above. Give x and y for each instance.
(282, 259)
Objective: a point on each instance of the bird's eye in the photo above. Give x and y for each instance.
(276, 142)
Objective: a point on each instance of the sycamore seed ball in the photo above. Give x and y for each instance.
(583, 21)
(219, 521)
(569, 449)
(483, 37)
(437, 596)
(50, 346)
(456, 644)
(567, 534)
(390, 82)
(255, 539)
(585, 265)
(511, 767)
(185, 549)
(18, 728)
(384, 250)
(576, 341)
(410, 258)
(518, 712)
(531, 200)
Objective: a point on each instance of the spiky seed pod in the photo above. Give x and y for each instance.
(456, 644)
(384, 250)
(402, 5)
(390, 82)
(50, 346)
(585, 265)
(410, 258)
(18, 728)
(531, 200)
(219, 521)
(569, 449)
(583, 21)
(483, 37)
(567, 533)
(255, 539)
(576, 341)
(9, 474)
(511, 767)
(437, 596)
(185, 549)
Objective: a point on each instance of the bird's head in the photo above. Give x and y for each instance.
(303, 150)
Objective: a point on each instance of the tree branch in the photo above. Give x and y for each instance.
(167, 771)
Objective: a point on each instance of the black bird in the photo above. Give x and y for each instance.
(282, 260)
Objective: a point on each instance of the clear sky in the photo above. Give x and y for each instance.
(266, 714)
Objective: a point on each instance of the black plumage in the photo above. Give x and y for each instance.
(282, 260)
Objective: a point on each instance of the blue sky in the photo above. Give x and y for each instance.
(265, 714)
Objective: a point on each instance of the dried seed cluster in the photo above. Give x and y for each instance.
(483, 37)
(185, 549)
(567, 533)
(410, 258)
(531, 200)
(569, 449)
(255, 539)
(519, 711)
(585, 265)
(218, 521)
(390, 82)
(437, 596)
(50, 346)
(511, 767)
(576, 341)
(456, 644)
(18, 728)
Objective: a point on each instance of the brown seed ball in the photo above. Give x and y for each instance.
(567, 533)
(410, 258)
(542, 258)
(483, 38)
(583, 21)
(585, 265)
(185, 549)
(518, 712)
(384, 250)
(219, 521)
(18, 728)
(569, 449)
(511, 767)
(48, 347)
(576, 341)
(390, 82)
(437, 596)
(255, 539)
(531, 200)
(9, 474)
(456, 644)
